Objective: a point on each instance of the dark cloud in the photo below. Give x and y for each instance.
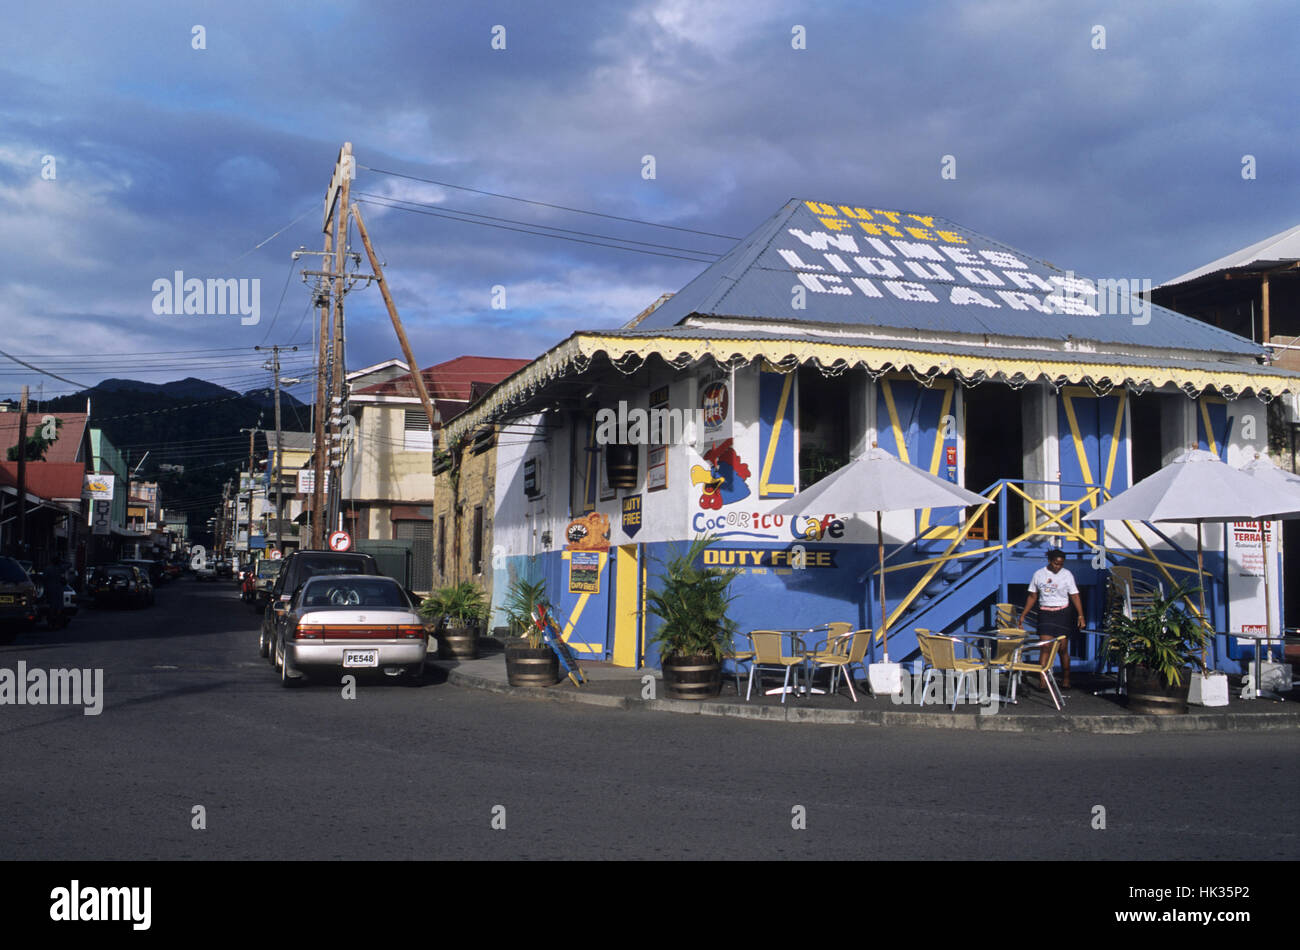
(1117, 162)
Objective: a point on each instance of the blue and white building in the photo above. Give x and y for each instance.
(833, 327)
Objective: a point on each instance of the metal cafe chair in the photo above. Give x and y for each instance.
(840, 657)
(834, 631)
(738, 657)
(940, 656)
(1004, 615)
(769, 654)
(1006, 651)
(1047, 657)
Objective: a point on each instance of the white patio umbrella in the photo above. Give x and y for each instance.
(878, 482)
(1266, 472)
(1195, 488)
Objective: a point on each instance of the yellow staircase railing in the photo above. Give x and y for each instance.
(1065, 522)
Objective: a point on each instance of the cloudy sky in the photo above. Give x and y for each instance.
(142, 139)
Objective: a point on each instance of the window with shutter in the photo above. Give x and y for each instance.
(416, 435)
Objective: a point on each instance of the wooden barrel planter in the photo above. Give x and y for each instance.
(1149, 696)
(528, 667)
(458, 643)
(692, 677)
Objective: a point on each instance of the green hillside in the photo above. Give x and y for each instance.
(202, 435)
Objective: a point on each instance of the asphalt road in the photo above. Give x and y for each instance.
(193, 717)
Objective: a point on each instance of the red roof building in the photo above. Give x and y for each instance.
(387, 478)
(72, 444)
(450, 384)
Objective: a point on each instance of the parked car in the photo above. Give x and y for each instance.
(260, 580)
(295, 570)
(340, 622)
(151, 569)
(121, 585)
(17, 599)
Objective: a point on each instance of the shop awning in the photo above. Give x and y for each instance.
(683, 346)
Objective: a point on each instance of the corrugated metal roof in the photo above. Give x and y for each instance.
(293, 441)
(50, 480)
(1281, 248)
(67, 444)
(451, 379)
(906, 271)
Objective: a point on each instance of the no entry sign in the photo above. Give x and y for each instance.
(340, 541)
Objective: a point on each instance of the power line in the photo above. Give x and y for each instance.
(41, 371)
(547, 204)
(558, 237)
(549, 227)
(284, 290)
(258, 245)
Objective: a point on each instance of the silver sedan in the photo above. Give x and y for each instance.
(350, 622)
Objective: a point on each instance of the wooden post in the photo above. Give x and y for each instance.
(20, 533)
(318, 441)
(1264, 294)
(416, 375)
(344, 172)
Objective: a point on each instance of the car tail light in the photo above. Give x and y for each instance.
(309, 632)
(410, 632)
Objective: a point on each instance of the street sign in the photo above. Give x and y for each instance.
(275, 554)
(339, 541)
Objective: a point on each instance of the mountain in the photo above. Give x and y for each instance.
(189, 388)
(190, 423)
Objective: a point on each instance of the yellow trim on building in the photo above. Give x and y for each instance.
(579, 349)
(765, 487)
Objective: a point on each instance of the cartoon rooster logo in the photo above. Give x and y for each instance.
(723, 482)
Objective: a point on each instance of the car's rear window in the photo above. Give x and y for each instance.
(268, 568)
(327, 593)
(315, 566)
(11, 572)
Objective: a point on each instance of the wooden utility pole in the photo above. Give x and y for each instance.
(279, 446)
(21, 528)
(318, 436)
(330, 363)
(248, 534)
(416, 376)
(347, 166)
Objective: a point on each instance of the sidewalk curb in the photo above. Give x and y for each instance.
(1128, 724)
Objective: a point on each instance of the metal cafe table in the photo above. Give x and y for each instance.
(985, 640)
(797, 648)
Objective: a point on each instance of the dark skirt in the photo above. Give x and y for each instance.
(1057, 623)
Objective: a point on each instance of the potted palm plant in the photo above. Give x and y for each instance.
(1155, 646)
(529, 662)
(459, 610)
(694, 630)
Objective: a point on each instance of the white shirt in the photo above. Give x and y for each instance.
(1053, 590)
